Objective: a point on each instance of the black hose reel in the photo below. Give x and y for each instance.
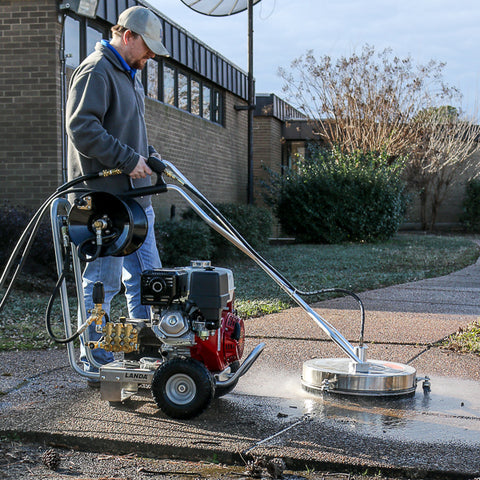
(101, 224)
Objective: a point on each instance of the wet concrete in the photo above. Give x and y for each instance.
(449, 412)
(269, 414)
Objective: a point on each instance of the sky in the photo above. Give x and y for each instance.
(441, 30)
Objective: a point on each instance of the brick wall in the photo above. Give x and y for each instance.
(267, 151)
(212, 157)
(30, 166)
(451, 209)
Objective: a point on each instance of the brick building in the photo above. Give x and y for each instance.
(281, 132)
(275, 137)
(190, 105)
(190, 109)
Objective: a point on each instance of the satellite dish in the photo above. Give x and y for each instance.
(218, 8)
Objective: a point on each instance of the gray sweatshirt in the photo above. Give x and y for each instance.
(105, 123)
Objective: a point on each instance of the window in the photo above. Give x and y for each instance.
(93, 36)
(152, 79)
(81, 36)
(195, 97)
(182, 91)
(72, 42)
(295, 150)
(166, 82)
(217, 107)
(206, 102)
(168, 85)
(187, 53)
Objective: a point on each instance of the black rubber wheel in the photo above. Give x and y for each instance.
(221, 391)
(183, 388)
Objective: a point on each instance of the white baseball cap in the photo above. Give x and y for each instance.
(143, 21)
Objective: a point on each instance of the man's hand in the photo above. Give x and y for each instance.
(141, 170)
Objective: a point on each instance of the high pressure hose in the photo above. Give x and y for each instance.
(48, 311)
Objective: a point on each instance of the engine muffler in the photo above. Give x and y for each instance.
(244, 367)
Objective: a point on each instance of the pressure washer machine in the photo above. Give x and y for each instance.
(190, 350)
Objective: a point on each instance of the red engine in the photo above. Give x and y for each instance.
(194, 309)
(221, 350)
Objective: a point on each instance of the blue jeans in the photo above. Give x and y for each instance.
(111, 271)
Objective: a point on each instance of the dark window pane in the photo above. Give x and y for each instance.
(217, 107)
(168, 85)
(93, 36)
(182, 91)
(213, 109)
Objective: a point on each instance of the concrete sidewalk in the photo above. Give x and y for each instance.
(268, 413)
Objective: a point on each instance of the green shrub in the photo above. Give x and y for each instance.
(253, 223)
(41, 258)
(471, 207)
(333, 197)
(182, 241)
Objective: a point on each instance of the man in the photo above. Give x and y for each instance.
(106, 129)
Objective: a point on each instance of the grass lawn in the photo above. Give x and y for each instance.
(357, 267)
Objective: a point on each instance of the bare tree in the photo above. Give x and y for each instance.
(365, 102)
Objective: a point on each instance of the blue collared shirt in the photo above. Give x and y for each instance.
(125, 65)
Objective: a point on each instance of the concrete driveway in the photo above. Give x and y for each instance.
(268, 414)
